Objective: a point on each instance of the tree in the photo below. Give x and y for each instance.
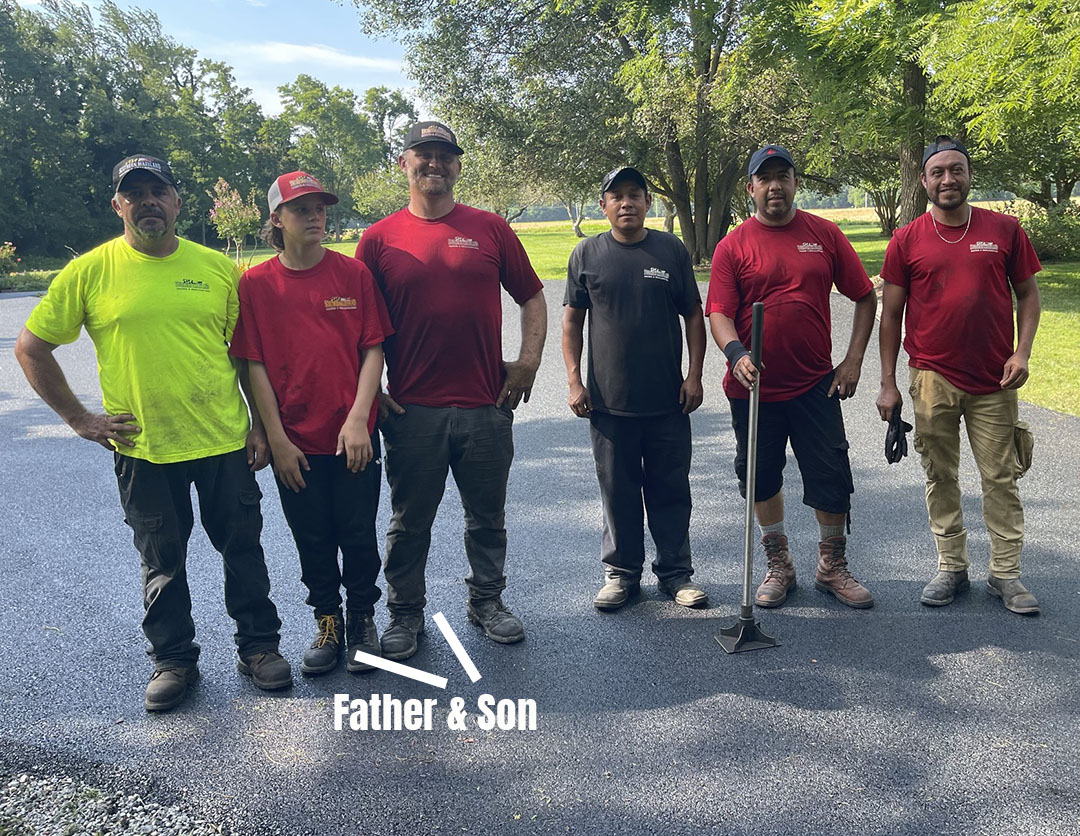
(332, 139)
(233, 217)
(379, 192)
(391, 113)
(667, 86)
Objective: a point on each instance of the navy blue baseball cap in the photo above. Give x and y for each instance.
(769, 152)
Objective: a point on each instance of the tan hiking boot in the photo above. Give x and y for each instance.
(833, 576)
(780, 577)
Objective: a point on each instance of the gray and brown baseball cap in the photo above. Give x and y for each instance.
(429, 131)
(142, 162)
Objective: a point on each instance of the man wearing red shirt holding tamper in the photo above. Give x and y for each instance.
(790, 260)
(955, 269)
(441, 266)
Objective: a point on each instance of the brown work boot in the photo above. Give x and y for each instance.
(780, 578)
(833, 575)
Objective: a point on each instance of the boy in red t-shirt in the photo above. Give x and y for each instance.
(311, 327)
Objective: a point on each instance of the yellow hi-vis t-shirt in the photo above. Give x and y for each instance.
(161, 328)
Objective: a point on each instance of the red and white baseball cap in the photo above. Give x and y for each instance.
(293, 185)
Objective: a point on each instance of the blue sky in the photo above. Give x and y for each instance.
(270, 42)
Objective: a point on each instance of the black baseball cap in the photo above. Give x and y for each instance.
(944, 143)
(423, 132)
(769, 152)
(622, 173)
(142, 162)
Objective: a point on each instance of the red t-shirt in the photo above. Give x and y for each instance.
(792, 269)
(308, 327)
(959, 319)
(441, 281)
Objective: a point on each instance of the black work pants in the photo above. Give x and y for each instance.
(337, 511)
(157, 505)
(644, 460)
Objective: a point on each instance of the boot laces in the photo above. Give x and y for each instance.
(775, 556)
(327, 630)
(836, 561)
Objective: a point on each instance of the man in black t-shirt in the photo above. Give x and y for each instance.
(634, 284)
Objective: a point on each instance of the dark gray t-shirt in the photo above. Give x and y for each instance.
(635, 294)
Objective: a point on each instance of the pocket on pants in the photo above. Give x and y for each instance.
(148, 539)
(1024, 443)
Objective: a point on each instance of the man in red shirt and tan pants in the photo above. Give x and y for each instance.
(790, 260)
(441, 266)
(955, 269)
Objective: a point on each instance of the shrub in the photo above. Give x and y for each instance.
(1055, 233)
(8, 261)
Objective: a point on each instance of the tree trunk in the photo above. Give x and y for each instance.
(727, 180)
(580, 217)
(513, 216)
(701, 209)
(669, 216)
(886, 204)
(680, 197)
(912, 193)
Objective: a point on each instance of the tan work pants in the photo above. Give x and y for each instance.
(990, 420)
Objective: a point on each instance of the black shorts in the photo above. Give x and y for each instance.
(815, 425)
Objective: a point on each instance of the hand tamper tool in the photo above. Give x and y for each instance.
(745, 634)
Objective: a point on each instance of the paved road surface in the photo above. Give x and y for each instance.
(897, 720)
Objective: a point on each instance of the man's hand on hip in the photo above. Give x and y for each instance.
(102, 429)
(518, 383)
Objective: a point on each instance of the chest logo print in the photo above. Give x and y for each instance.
(656, 273)
(809, 247)
(192, 284)
(460, 243)
(340, 303)
(984, 247)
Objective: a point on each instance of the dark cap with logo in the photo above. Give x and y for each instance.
(624, 172)
(944, 143)
(142, 162)
(423, 132)
(769, 152)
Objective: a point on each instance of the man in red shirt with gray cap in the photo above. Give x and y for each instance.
(955, 269)
(790, 260)
(441, 266)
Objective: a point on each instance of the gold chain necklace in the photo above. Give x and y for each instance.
(967, 226)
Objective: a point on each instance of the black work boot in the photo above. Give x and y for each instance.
(168, 687)
(360, 634)
(325, 650)
(399, 639)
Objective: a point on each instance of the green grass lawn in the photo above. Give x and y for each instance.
(1055, 365)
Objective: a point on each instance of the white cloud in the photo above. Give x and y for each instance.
(277, 52)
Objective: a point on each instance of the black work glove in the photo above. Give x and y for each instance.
(896, 437)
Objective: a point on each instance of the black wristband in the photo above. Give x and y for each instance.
(735, 351)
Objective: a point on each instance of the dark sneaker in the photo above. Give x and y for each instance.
(1013, 595)
(944, 587)
(498, 622)
(399, 639)
(685, 593)
(168, 687)
(268, 670)
(325, 651)
(361, 634)
(615, 593)
(832, 574)
(780, 575)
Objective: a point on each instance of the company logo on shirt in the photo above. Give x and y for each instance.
(340, 303)
(657, 273)
(810, 247)
(462, 243)
(984, 247)
(192, 284)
